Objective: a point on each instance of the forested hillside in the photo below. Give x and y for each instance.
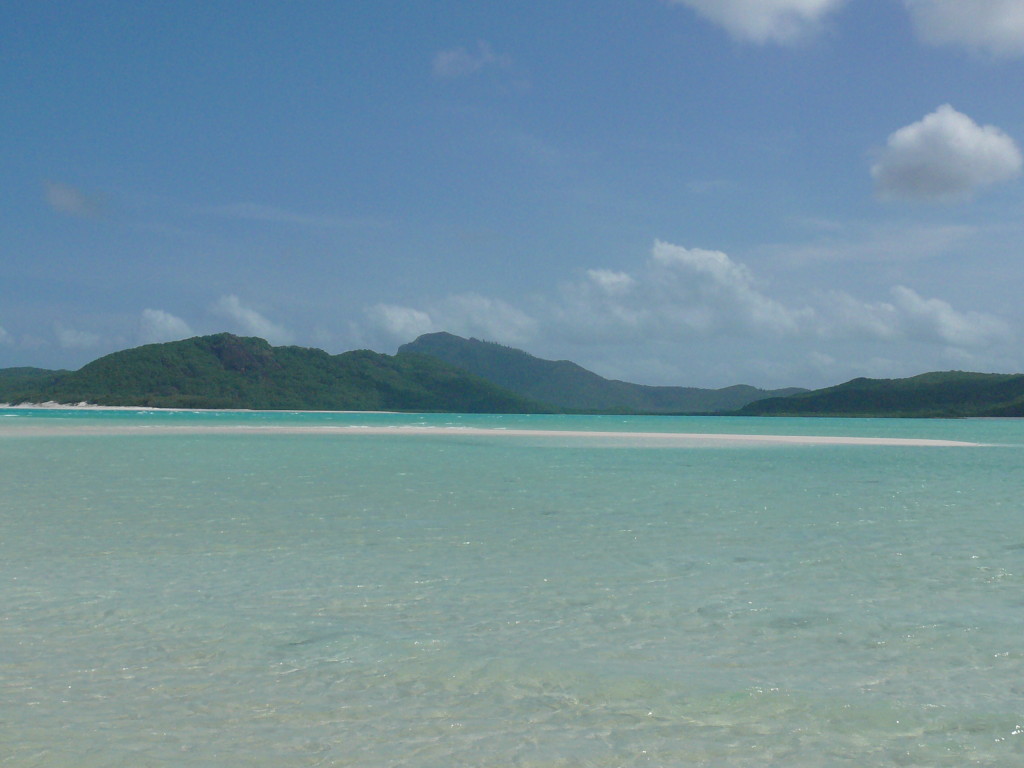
(568, 385)
(951, 393)
(227, 371)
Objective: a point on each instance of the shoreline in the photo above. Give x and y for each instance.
(53, 405)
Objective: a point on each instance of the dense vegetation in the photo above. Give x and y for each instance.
(227, 371)
(953, 393)
(442, 372)
(568, 386)
(26, 378)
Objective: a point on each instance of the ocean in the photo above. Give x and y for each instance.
(307, 589)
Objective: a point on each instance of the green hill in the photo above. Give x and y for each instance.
(952, 393)
(26, 378)
(442, 372)
(227, 371)
(567, 385)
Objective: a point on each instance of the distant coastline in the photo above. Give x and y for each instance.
(53, 405)
(443, 373)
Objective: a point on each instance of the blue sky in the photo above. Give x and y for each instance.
(696, 192)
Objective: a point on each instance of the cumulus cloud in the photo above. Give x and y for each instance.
(765, 21)
(680, 293)
(934, 320)
(945, 156)
(402, 323)
(462, 62)
(990, 26)
(851, 318)
(609, 282)
(247, 320)
(699, 317)
(5, 337)
(468, 314)
(909, 317)
(71, 338)
(67, 199)
(488, 318)
(693, 296)
(158, 326)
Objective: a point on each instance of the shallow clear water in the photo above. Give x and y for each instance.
(217, 599)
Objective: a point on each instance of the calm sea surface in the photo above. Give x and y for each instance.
(172, 595)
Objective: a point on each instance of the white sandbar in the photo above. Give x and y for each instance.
(682, 438)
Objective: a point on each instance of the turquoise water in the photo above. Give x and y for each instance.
(179, 595)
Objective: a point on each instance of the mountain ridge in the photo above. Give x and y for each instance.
(567, 385)
(953, 394)
(228, 371)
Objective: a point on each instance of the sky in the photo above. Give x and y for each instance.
(689, 192)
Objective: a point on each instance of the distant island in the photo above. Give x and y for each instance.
(950, 394)
(441, 372)
(225, 371)
(567, 386)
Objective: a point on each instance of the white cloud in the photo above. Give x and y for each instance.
(724, 291)
(847, 317)
(909, 317)
(885, 243)
(71, 338)
(612, 283)
(402, 323)
(460, 62)
(274, 215)
(157, 326)
(487, 318)
(5, 337)
(991, 26)
(693, 316)
(680, 294)
(691, 295)
(765, 21)
(247, 320)
(67, 199)
(464, 314)
(934, 320)
(697, 291)
(944, 156)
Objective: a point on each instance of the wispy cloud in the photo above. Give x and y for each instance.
(66, 199)
(871, 244)
(247, 320)
(910, 317)
(765, 21)
(467, 314)
(401, 323)
(995, 27)
(463, 62)
(936, 321)
(274, 215)
(155, 326)
(72, 338)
